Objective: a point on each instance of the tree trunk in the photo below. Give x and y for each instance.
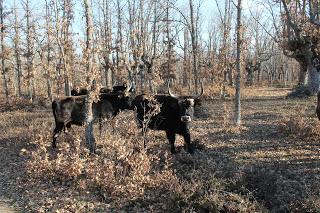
(303, 74)
(30, 71)
(3, 68)
(67, 44)
(313, 80)
(47, 70)
(18, 69)
(107, 39)
(249, 77)
(185, 58)
(237, 110)
(89, 100)
(194, 46)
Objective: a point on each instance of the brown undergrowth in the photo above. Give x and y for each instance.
(270, 164)
(123, 176)
(301, 126)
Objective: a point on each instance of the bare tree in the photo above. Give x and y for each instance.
(47, 64)
(90, 76)
(63, 40)
(17, 50)
(4, 69)
(226, 60)
(106, 43)
(30, 39)
(237, 110)
(194, 44)
(300, 42)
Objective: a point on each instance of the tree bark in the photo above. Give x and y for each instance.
(194, 46)
(185, 58)
(107, 39)
(303, 74)
(89, 100)
(30, 54)
(47, 70)
(17, 53)
(237, 110)
(3, 68)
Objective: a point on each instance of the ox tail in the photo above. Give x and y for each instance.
(55, 108)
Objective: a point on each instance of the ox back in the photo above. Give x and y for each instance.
(174, 117)
(79, 91)
(84, 91)
(71, 110)
(116, 89)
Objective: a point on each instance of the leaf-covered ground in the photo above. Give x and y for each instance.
(270, 164)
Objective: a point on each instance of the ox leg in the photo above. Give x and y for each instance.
(187, 142)
(100, 126)
(172, 138)
(56, 133)
(67, 128)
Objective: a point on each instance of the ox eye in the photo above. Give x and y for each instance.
(186, 103)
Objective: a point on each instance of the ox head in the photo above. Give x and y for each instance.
(118, 88)
(125, 97)
(186, 104)
(63, 109)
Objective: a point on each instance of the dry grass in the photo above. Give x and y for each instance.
(270, 164)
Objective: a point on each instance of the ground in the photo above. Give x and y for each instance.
(270, 164)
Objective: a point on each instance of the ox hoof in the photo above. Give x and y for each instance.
(173, 151)
(189, 150)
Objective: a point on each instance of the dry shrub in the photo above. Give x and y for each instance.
(66, 165)
(122, 176)
(218, 90)
(277, 188)
(298, 126)
(121, 171)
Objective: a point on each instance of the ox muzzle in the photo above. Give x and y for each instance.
(186, 118)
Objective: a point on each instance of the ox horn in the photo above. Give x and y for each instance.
(129, 87)
(169, 91)
(201, 93)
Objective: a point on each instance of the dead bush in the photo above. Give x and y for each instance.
(122, 176)
(299, 126)
(219, 90)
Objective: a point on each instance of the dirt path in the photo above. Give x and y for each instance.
(6, 208)
(13, 138)
(7, 177)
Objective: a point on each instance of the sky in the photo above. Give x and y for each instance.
(209, 12)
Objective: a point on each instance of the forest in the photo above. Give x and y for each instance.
(160, 106)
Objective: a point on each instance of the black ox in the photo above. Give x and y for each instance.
(71, 110)
(79, 91)
(83, 91)
(176, 113)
